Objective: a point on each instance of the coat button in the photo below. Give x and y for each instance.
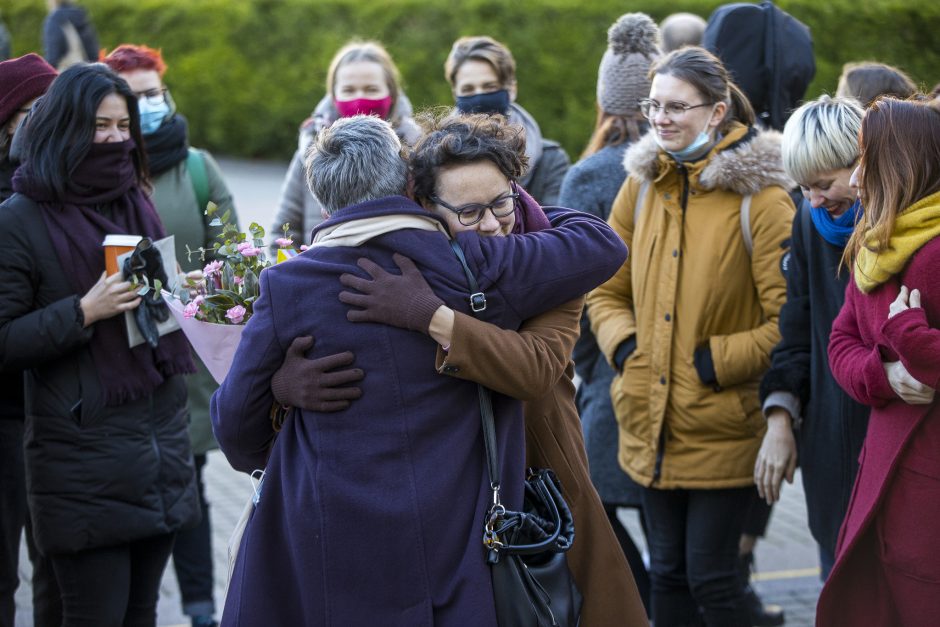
(662, 380)
(668, 317)
(675, 253)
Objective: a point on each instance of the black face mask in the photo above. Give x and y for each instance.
(493, 102)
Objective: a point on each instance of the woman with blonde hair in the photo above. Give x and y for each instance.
(883, 352)
(804, 405)
(362, 79)
(688, 322)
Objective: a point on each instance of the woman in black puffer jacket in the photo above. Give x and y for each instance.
(109, 470)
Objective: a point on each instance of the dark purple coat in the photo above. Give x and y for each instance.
(374, 515)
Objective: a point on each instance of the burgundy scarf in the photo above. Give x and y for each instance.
(529, 214)
(106, 179)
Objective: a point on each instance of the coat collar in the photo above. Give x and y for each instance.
(745, 161)
(380, 207)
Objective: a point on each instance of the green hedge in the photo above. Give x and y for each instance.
(246, 72)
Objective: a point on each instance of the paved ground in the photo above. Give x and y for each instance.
(786, 558)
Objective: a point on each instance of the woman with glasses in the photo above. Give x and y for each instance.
(184, 180)
(362, 79)
(463, 174)
(108, 463)
(689, 322)
(375, 513)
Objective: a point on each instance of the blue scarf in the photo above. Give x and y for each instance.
(836, 231)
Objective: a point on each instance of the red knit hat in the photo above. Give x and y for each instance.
(21, 80)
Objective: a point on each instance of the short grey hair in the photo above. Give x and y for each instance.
(355, 160)
(681, 29)
(820, 136)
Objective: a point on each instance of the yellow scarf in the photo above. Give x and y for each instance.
(913, 228)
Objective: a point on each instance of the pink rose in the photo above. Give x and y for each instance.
(213, 268)
(243, 246)
(284, 242)
(251, 251)
(191, 310)
(239, 280)
(236, 314)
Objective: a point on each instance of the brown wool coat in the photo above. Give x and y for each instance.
(534, 365)
(690, 282)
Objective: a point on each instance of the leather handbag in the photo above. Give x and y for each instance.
(532, 584)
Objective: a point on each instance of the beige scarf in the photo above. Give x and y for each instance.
(358, 232)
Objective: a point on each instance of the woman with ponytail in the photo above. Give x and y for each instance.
(108, 462)
(884, 352)
(688, 323)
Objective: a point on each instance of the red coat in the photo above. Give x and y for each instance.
(887, 569)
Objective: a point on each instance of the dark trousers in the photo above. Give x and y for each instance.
(14, 516)
(632, 553)
(693, 538)
(192, 557)
(47, 602)
(114, 586)
(758, 516)
(826, 561)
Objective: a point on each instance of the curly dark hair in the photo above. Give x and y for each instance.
(453, 139)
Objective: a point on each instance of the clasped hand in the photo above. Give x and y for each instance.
(909, 389)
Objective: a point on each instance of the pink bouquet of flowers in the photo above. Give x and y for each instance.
(212, 313)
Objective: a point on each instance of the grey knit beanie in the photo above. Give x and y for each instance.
(632, 46)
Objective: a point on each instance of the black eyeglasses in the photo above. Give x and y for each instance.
(152, 96)
(471, 213)
(649, 108)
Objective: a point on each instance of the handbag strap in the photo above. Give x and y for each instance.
(486, 400)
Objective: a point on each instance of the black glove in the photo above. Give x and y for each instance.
(623, 352)
(146, 265)
(705, 366)
(309, 384)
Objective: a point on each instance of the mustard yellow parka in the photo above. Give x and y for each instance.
(691, 282)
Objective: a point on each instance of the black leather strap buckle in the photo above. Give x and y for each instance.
(478, 302)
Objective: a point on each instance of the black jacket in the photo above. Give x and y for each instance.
(834, 425)
(96, 475)
(11, 383)
(54, 43)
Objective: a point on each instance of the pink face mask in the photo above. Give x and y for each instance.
(365, 106)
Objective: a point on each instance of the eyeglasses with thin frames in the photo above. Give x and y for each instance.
(649, 108)
(152, 96)
(471, 213)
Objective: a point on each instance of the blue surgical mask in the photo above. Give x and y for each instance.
(702, 140)
(493, 102)
(152, 115)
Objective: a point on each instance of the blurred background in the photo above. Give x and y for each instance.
(247, 72)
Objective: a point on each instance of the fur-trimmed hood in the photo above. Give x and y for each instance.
(745, 161)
